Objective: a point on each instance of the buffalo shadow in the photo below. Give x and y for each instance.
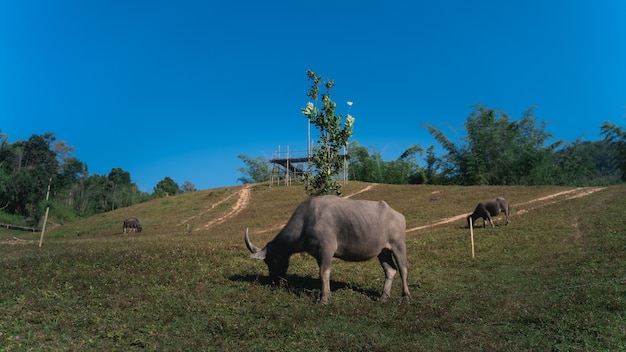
(304, 286)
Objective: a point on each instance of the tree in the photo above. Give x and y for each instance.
(6, 150)
(62, 150)
(120, 189)
(166, 187)
(432, 166)
(257, 169)
(36, 153)
(70, 172)
(326, 161)
(586, 163)
(94, 195)
(26, 168)
(616, 135)
(188, 187)
(365, 165)
(119, 177)
(499, 151)
(369, 166)
(411, 171)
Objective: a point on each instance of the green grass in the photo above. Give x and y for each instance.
(554, 279)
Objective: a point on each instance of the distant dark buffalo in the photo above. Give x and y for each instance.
(352, 230)
(132, 225)
(489, 208)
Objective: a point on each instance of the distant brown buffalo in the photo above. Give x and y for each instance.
(489, 208)
(132, 225)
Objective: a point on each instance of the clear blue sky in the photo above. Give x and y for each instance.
(180, 88)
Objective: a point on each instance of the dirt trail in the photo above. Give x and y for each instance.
(440, 222)
(242, 202)
(363, 190)
(577, 193)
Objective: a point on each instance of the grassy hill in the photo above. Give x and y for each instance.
(554, 279)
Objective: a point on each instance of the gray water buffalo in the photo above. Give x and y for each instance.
(132, 225)
(489, 208)
(352, 230)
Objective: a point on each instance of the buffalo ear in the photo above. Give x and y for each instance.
(259, 255)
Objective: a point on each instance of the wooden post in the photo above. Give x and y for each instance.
(43, 229)
(45, 219)
(472, 236)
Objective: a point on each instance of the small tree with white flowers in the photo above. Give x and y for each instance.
(326, 160)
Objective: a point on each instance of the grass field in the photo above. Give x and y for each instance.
(553, 280)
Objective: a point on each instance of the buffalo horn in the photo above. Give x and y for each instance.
(251, 247)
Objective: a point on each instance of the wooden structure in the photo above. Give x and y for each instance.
(289, 165)
(286, 166)
(18, 227)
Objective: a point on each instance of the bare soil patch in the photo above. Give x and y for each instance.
(362, 190)
(244, 195)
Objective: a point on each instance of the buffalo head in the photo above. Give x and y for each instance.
(276, 263)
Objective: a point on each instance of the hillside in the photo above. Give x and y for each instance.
(554, 278)
(268, 208)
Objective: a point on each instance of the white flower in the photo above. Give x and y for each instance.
(309, 110)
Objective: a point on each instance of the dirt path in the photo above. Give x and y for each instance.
(242, 202)
(363, 190)
(577, 193)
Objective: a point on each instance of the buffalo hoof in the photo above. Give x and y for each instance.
(403, 300)
(406, 300)
(384, 298)
(323, 301)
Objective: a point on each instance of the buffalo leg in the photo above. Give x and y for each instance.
(386, 261)
(403, 264)
(325, 264)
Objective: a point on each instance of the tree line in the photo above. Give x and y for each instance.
(28, 168)
(496, 150)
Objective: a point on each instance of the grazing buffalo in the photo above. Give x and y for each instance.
(132, 225)
(352, 230)
(489, 208)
